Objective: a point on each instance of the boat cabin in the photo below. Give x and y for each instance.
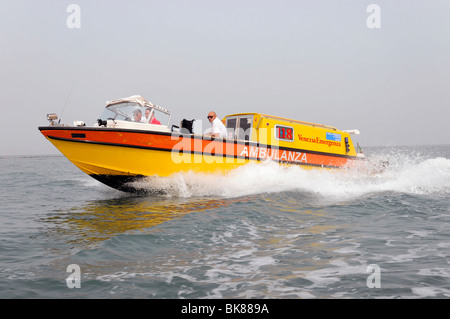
(288, 133)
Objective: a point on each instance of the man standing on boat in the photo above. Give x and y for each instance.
(152, 120)
(217, 127)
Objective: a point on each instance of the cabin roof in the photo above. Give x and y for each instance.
(273, 117)
(139, 100)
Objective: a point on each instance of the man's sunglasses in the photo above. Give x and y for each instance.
(210, 116)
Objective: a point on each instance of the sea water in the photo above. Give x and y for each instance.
(260, 231)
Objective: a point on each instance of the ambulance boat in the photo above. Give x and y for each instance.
(123, 147)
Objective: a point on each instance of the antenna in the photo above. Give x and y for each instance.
(67, 99)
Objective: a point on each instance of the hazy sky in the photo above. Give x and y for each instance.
(311, 60)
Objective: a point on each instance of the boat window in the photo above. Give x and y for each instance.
(239, 127)
(108, 114)
(245, 125)
(121, 111)
(231, 127)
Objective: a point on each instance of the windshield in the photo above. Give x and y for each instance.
(134, 112)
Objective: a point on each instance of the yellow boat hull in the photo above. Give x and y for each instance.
(96, 159)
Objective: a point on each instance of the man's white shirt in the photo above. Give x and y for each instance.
(218, 129)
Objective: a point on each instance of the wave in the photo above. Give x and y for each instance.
(404, 173)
